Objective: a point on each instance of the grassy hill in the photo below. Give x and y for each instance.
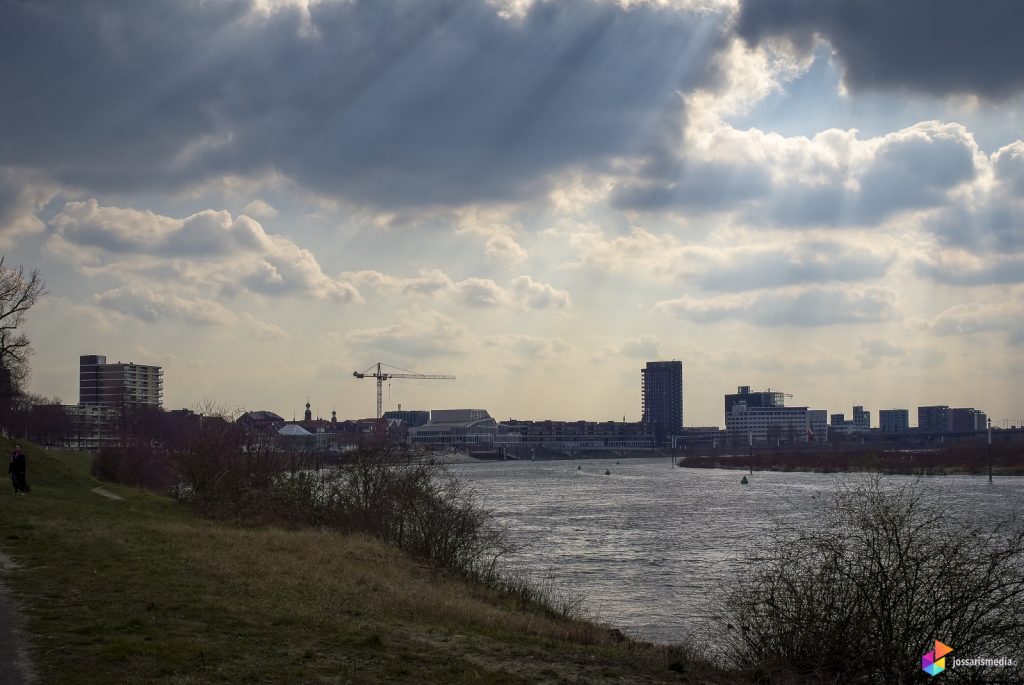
(141, 590)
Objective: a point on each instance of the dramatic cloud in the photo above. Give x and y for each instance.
(382, 101)
(817, 306)
(831, 179)
(938, 47)
(207, 248)
(991, 218)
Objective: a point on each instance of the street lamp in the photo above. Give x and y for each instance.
(990, 450)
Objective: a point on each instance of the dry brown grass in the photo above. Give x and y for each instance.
(142, 591)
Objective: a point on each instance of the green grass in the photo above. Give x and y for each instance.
(142, 591)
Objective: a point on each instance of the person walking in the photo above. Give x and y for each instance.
(17, 469)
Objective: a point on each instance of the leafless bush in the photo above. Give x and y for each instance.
(861, 595)
(418, 506)
(140, 465)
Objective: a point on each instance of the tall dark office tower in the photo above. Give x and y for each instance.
(662, 396)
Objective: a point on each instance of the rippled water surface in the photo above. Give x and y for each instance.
(648, 545)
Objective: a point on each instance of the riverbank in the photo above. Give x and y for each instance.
(139, 590)
(932, 463)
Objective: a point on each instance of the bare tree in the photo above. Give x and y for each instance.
(18, 292)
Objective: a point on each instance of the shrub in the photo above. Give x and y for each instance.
(420, 507)
(862, 593)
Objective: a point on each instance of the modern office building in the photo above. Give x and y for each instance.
(754, 400)
(933, 419)
(966, 420)
(119, 384)
(861, 419)
(860, 423)
(662, 398)
(817, 422)
(894, 420)
(767, 425)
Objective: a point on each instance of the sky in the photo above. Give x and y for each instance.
(823, 197)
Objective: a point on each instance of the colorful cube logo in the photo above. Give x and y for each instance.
(934, 662)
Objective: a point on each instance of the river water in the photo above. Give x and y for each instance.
(648, 546)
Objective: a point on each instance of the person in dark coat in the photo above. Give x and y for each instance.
(17, 469)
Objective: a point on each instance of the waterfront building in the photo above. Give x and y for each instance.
(754, 400)
(817, 422)
(933, 419)
(119, 384)
(699, 436)
(861, 419)
(860, 423)
(767, 425)
(894, 420)
(414, 418)
(576, 435)
(456, 428)
(966, 420)
(662, 398)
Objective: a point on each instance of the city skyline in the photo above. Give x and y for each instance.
(263, 197)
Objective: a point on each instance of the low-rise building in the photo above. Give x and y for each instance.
(578, 435)
(456, 428)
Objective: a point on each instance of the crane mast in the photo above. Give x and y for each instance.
(376, 371)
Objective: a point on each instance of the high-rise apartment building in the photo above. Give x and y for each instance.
(662, 398)
(119, 384)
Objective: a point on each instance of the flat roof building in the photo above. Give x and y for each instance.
(894, 420)
(662, 398)
(119, 384)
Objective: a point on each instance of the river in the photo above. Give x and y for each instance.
(648, 546)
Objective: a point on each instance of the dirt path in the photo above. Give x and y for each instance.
(15, 665)
(103, 492)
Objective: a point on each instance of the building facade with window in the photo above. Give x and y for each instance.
(119, 384)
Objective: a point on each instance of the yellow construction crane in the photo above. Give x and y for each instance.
(375, 371)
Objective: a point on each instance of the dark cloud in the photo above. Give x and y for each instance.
(938, 47)
(384, 101)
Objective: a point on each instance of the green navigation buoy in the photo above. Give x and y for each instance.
(743, 480)
(607, 472)
(579, 468)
